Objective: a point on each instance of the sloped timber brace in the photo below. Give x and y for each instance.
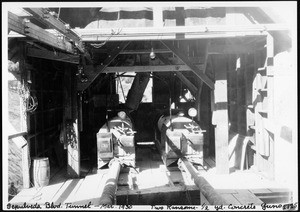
(49, 55)
(194, 68)
(93, 73)
(190, 85)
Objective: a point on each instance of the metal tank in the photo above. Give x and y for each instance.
(184, 134)
(115, 139)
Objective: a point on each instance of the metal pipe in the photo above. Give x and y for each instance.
(109, 191)
(205, 188)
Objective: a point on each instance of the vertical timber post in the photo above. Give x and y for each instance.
(70, 123)
(26, 160)
(220, 114)
(270, 102)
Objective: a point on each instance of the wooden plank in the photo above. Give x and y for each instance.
(26, 195)
(257, 102)
(50, 55)
(269, 137)
(42, 35)
(198, 97)
(260, 191)
(180, 20)
(17, 135)
(212, 50)
(190, 85)
(30, 30)
(156, 68)
(15, 23)
(211, 163)
(230, 49)
(226, 191)
(279, 190)
(206, 164)
(268, 125)
(72, 195)
(70, 124)
(26, 166)
(169, 33)
(88, 189)
(220, 115)
(240, 100)
(249, 78)
(112, 55)
(203, 200)
(64, 191)
(85, 192)
(74, 142)
(47, 193)
(245, 197)
(43, 15)
(160, 189)
(231, 199)
(185, 59)
(25, 124)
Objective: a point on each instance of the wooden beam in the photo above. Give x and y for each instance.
(156, 190)
(230, 49)
(194, 68)
(100, 69)
(70, 124)
(198, 97)
(30, 30)
(169, 33)
(180, 20)
(213, 49)
(25, 122)
(50, 55)
(270, 104)
(190, 85)
(207, 46)
(240, 98)
(43, 15)
(15, 23)
(220, 115)
(17, 135)
(156, 68)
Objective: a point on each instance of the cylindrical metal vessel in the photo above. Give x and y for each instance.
(41, 172)
(166, 120)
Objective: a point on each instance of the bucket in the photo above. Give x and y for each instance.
(41, 171)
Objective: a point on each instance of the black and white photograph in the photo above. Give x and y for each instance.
(167, 105)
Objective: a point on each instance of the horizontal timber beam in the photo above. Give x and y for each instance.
(157, 190)
(50, 55)
(43, 15)
(213, 49)
(30, 30)
(156, 68)
(169, 33)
